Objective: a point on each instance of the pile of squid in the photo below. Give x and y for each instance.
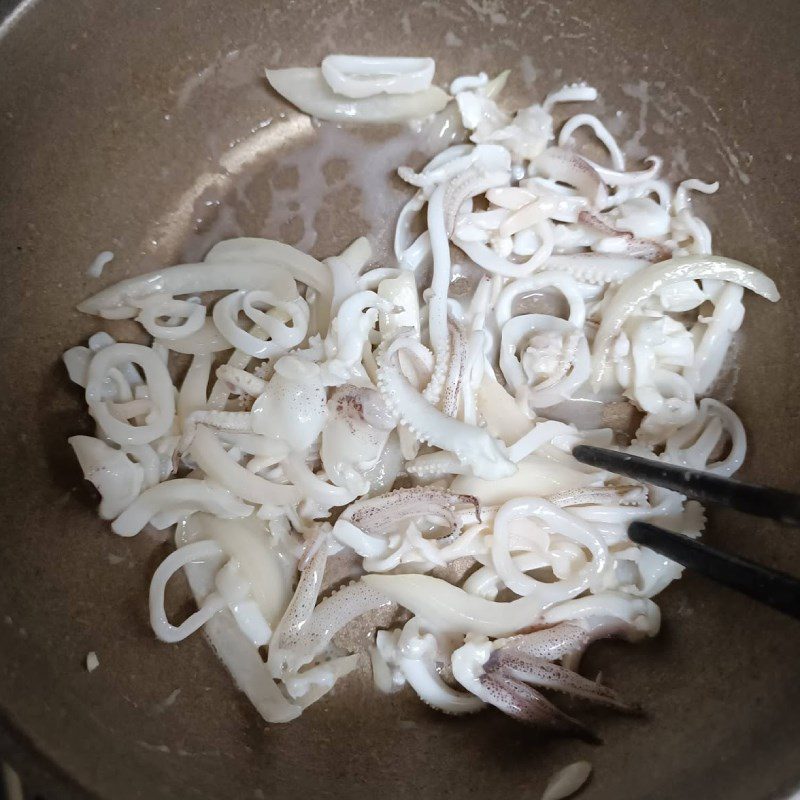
(411, 421)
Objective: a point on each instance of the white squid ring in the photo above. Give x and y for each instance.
(693, 444)
(283, 336)
(514, 331)
(194, 316)
(485, 257)
(558, 521)
(366, 76)
(159, 386)
(565, 283)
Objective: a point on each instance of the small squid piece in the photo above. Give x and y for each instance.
(354, 436)
(291, 411)
(567, 781)
(309, 91)
(113, 474)
(508, 673)
(379, 515)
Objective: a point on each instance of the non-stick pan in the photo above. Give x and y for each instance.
(115, 120)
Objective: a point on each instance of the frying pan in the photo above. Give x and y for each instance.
(114, 116)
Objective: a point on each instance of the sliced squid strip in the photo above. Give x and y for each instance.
(492, 262)
(218, 465)
(633, 292)
(447, 608)
(184, 494)
(121, 301)
(307, 89)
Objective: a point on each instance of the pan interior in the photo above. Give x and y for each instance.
(149, 131)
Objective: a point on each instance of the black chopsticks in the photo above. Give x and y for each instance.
(774, 588)
(760, 501)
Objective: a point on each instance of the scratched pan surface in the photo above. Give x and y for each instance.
(141, 128)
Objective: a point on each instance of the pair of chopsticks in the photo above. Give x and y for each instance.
(774, 588)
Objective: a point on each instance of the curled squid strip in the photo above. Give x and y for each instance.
(248, 581)
(618, 178)
(599, 130)
(682, 199)
(570, 168)
(269, 254)
(571, 93)
(658, 347)
(559, 522)
(715, 336)
(206, 341)
(217, 464)
(695, 445)
(283, 335)
(560, 281)
(235, 650)
(349, 333)
(182, 495)
(312, 488)
(345, 269)
(222, 271)
(441, 168)
(486, 583)
(156, 466)
(157, 306)
(365, 76)
(554, 360)
(213, 604)
(160, 393)
(635, 291)
(413, 655)
(498, 265)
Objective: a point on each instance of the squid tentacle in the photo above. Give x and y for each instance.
(473, 446)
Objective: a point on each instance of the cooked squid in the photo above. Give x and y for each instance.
(369, 409)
